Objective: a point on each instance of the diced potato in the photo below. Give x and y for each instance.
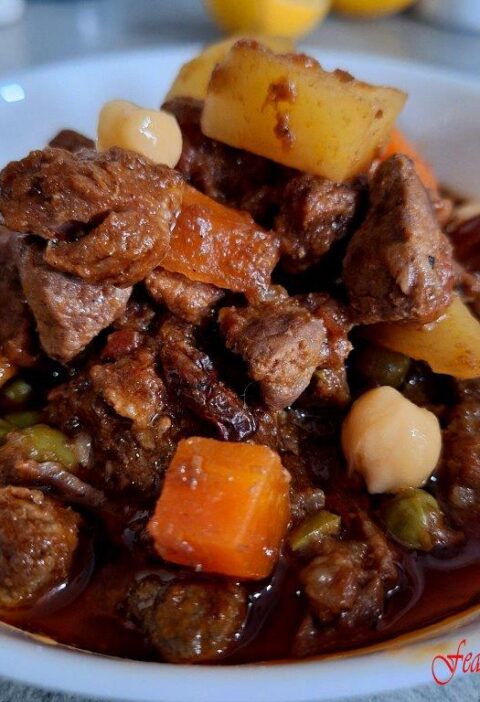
(215, 244)
(289, 109)
(151, 133)
(450, 345)
(224, 508)
(194, 76)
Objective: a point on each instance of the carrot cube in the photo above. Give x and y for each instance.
(224, 508)
(215, 244)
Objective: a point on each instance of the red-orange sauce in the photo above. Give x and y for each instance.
(87, 612)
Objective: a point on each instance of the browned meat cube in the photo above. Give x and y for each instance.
(461, 464)
(38, 539)
(118, 460)
(190, 373)
(189, 621)
(132, 387)
(188, 299)
(282, 344)
(108, 216)
(315, 212)
(230, 176)
(16, 321)
(346, 584)
(399, 263)
(129, 453)
(69, 311)
(70, 140)
(330, 384)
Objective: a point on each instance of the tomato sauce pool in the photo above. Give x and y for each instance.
(87, 612)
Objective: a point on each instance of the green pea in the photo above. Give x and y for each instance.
(46, 444)
(314, 528)
(414, 519)
(21, 420)
(18, 391)
(379, 366)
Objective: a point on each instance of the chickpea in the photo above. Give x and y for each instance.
(151, 133)
(393, 443)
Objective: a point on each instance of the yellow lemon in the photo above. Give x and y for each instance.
(370, 8)
(280, 18)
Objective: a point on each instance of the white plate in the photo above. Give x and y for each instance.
(443, 116)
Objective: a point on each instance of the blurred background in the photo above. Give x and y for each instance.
(444, 32)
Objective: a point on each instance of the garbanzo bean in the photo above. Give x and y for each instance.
(393, 443)
(151, 133)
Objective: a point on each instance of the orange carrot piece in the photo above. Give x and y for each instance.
(399, 144)
(218, 245)
(224, 508)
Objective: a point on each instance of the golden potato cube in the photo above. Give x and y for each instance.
(194, 76)
(290, 110)
(451, 345)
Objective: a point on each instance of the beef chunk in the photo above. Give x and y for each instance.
(16, 322)
(139, 315)
(315, 212)
(190, 373)
(129, 329)
(121, 460)
(72, 141)
(38, 539)
(469, 287)
(399, 264)
(468, 390)
(461, 463)
(282, 344)
(443, 208)
(129, 453)
(69, 311)
(121, 343)
(108, 216)
(132, 387)
(337, 320)
(466, 243)
(186, 620)
(330, 387)
(329, 383)
(188, 299)
(230, 176)
(346, 584)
